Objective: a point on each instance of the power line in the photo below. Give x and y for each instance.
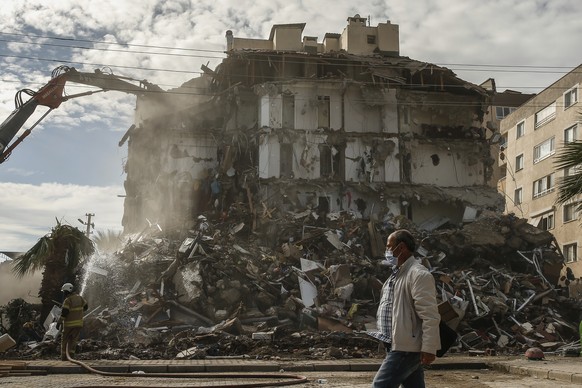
(107, 42)
(113, 50)
(273, 78)
(98, 65)
(500, 68)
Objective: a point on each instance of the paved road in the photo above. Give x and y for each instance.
(450, 372)
(434, 378)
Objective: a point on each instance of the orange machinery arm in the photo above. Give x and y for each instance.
(51, 96)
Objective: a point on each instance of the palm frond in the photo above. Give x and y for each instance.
(63, 240)
(569, 157)
(34, 259)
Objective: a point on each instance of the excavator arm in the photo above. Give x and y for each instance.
(52, 95)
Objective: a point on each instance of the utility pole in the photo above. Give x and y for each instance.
(88, 223)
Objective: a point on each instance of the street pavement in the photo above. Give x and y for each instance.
(558, 368)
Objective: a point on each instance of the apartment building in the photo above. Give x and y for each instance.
(533, 134)
(295, 124)
(502, 104)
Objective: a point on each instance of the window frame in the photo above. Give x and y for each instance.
(549, 218)
(574, 249)
(572, 91)
(551, 108)
(519, 133)
(518, 196)
(505, 111)
(574, 214)
(537, 157)
(573, 170)
(519, 159)
(574, 130)
(549, 186)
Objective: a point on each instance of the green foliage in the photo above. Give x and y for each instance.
(570, 186)
(60, 254)
(63, 240)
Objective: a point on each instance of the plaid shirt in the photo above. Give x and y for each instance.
(384, 314)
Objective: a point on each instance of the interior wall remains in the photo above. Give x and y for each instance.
(448, 164)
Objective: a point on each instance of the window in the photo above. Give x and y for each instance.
(520, 129)
(543, 150)
(371, 39)
(519, 162)
(570, 252)
(571, 211)
(323, 112)
(571, 97)
(503, 111)
(546, 221)
(545, 115)
(543, 186)
(570, 134)
(288, 111)
(518, 196)
(573, 170)
(329, 161)
(406, 115)
(323, 204)
(286, 160)
(503, 142)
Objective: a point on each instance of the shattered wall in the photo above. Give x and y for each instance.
(171, 151)
(370, 135)
(446, 163)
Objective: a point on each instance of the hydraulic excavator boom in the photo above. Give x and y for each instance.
(52, 95)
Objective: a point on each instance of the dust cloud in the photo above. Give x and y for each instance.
(13, 287)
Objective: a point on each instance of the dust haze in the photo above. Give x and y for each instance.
(13, 287)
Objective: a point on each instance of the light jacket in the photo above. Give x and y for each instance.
(415, 316)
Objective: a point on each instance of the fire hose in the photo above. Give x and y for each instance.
(291, 379)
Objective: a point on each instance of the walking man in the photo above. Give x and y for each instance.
(71, 319)
(407, 317)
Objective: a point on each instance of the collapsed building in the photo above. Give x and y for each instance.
(259, 197)
(289, 123)
(220, 290)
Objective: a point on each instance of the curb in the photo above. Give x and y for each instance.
(548, 370)
(538, 372)
(223, 366)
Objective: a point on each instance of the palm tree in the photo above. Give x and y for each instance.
(109, 241)
(59, 253)
(570, 159)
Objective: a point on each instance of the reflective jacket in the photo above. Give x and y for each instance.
(73, 308)
(415, 316)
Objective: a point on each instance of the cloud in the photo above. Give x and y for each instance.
(76, 145)
(30, 211)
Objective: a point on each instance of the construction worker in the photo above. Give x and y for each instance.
(71, 319)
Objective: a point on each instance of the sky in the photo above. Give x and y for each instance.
(71, 164)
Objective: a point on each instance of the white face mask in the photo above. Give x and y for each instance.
(390, 259)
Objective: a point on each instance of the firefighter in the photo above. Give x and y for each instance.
(71, 320)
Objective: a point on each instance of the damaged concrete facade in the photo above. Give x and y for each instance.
(534, 133)
(293, 124)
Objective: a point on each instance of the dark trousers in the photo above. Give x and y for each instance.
(400, 368)
(69, 337)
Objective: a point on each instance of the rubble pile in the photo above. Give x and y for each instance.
(308, 286)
